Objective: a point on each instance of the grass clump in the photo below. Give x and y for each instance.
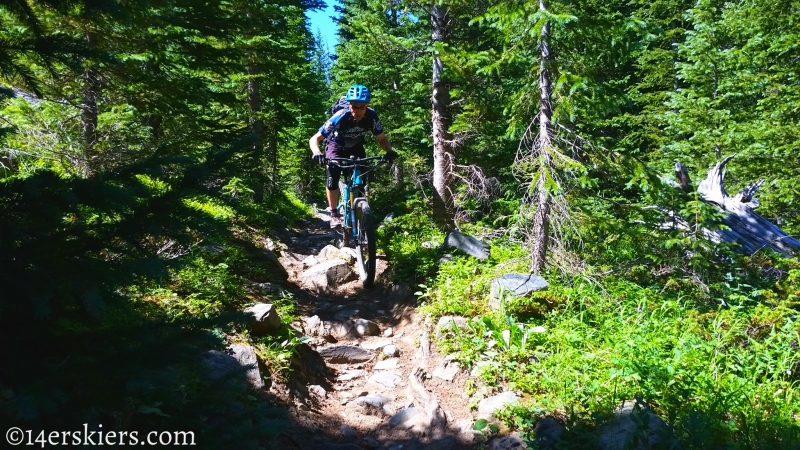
(721, 376)
(461, 286)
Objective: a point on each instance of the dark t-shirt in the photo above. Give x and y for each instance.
(343, 130)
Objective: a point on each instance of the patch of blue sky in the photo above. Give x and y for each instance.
(321, 22)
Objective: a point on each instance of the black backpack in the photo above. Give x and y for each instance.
(338, 106)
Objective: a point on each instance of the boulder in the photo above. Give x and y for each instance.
(488, 406)
(448, 369)
(338, 329)
(327, 275)
(511, 441)
(467, 244)
(518, 284)
(348, 375)
(348, 433)
(330, 252)
(376, 344)
(292, 258)
(635, 422)
(318, 391)
(267, 288)
(347, 313)
(349, 254)
(275, 269)
(310, 261)
(238, 364)
(321, 237)
(387, 378)
(373, 404)
(547, 432)
(386, 364)
(345, 354)
(265, 319)
(366, 327)
(216, 249)
(307, 365)
(371, 442)
(399, 292)
(446, 324)
(409, 418)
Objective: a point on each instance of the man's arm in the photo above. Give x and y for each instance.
(383, 141)
(313, 143)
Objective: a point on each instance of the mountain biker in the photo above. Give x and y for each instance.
(345, 132)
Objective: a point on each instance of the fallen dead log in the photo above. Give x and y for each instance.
(745, 227)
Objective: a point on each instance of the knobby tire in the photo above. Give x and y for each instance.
(365, 249)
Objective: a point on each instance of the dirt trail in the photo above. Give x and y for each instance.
(384, 402)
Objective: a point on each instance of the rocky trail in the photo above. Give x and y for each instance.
(369, 378)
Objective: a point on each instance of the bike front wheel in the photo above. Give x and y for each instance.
(365, 246)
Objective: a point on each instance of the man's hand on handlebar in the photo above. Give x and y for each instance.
(319, 159)
(390, 156)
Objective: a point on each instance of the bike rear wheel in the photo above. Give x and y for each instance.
(365, 247)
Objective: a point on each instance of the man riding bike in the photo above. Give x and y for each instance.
(345, 132)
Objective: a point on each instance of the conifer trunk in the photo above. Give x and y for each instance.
(540, 218)
(256, 124)
(89, 113)
(443, 157)
(254, 101)
(397, 167)
(273, 153)
(155, 122)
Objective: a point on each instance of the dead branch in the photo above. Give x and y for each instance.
(745, 227)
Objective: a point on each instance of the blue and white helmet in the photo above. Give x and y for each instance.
(358, 93)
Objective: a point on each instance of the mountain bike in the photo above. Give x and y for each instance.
(358, 228)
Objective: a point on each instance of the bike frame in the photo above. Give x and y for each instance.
(355, 189)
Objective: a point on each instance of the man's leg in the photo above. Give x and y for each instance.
(333, 198)
(332, 191)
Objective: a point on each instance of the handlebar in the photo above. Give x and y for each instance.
(348, 163)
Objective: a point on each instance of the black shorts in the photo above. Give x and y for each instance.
(336, 151)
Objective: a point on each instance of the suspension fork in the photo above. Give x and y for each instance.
(345, 199)
(355, 176)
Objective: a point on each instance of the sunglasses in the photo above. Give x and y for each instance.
(358, 106)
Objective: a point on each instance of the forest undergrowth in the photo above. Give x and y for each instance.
(115, 287)
(132, 275)
(711, 348)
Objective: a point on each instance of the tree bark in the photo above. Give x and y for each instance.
(273, 154)
(443, 156)
(541, 235)
(682, 177)
(155, 122)
(89, 112)
(256, 123)
(254, 102)
(397, 167)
